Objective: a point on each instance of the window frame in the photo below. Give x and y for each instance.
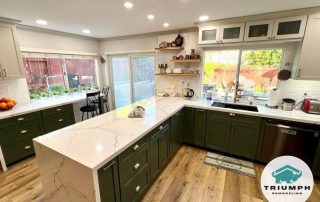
(287, 57)
(63, 58)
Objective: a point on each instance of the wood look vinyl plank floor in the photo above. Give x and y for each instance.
(186, 178)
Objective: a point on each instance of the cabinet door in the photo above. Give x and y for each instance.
(164, 148)
(199, 131)
(188, 119)
(109, 182)
(259, 30)
(232, 33)
(288, 28)
(176, 132)
(10, 58)
(217, 133)
(244, 138)
(209, 35)
(309, 57)
(154, 157)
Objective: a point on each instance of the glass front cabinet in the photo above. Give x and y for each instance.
(287, 28)
(260, 30)
(209, 35)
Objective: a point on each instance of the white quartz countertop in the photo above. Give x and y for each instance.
(40, 104)
(96, 141)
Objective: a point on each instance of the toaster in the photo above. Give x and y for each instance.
(311, 106)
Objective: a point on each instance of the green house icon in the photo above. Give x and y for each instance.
(286, 174)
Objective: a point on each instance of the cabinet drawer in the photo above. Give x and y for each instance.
(57, 110)
(9, 136)
(233, 116)
(155, 132)
(20, 119)
(132, 166)
(18, 151)
(137, 186)
(133, 149)
(58, 121)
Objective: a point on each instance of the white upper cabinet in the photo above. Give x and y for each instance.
(289, 28)
(259, 30)
(309, 62)
(209, 35)
(10, 57)
(232, 33)
(221, 34)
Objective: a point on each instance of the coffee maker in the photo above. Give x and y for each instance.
(188, 92)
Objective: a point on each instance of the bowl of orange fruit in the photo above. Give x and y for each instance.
(7, 103)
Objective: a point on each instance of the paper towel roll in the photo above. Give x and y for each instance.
(273, 98)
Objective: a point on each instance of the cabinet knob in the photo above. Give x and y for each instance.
(20, 119)
(137, 188)
(23, 131)
(135, 147)
(60, 120)
(136, 166)
(27, 147)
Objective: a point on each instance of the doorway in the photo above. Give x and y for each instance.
(133, 78)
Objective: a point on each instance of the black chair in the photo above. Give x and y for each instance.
(92, 104)
(105, 91)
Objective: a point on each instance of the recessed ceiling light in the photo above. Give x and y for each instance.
(86, 31)
(128, 4)
(150, 17)
(203, 17)
(41, 22)
(166, 24)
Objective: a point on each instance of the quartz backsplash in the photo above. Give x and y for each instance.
(16, 89)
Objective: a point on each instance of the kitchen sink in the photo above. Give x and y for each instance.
(235, 106)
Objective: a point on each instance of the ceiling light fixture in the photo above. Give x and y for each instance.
(128, 4)
(150, 17)
(166, 24)
(203, 17)
(86, 31)
(41, 22)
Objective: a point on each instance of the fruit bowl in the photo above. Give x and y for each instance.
(7, 104)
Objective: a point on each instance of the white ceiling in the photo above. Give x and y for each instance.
(108, 18)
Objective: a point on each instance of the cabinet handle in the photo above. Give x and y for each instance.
(135, 147)
(59, 109)
(200, 110)
(27, 147)
(232, 114)
(161, 127)
(60, 120)
(107, 167)
(137, 188)
(136, 166)
(299, 73)
(23, 131)
(20, 119)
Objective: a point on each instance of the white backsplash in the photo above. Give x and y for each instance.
(295, 89)
(16, 89)
(163, 83)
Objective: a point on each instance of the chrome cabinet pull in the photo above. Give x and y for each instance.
(23, 131)
(136, 147)
(232, 114)
(60, 120)
(20, 119)
(27, 147)
(59, 109)
(136, 166)
(137, 188)
(161, 127)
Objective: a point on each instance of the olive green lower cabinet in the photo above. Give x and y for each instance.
(176, 132)
(233, 133)
(199, 130)
(188, 125)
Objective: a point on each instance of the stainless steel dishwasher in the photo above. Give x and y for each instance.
(290, 138)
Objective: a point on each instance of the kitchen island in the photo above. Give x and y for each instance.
(70, 159)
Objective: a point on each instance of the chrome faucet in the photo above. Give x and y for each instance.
(236, 90)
